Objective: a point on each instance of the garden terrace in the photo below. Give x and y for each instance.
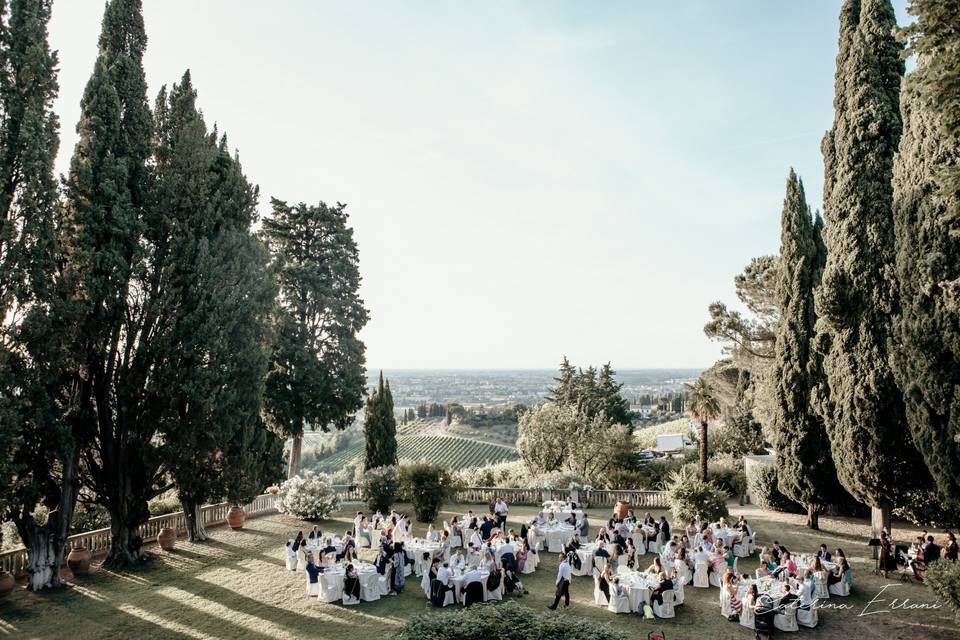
(236, 586)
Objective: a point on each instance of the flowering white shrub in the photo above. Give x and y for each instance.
(308, 497)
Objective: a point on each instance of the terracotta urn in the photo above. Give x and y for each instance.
(236, 517)
(7, 583)
(79, 561)
(167, 538)
(620, 511)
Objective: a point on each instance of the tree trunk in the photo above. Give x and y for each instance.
(703, 450)
(813, 517)
(45, 543)
(125, 546)
(880, 519)
(196, 532)
(294, 467)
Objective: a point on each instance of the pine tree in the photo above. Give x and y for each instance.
(380, 428)
(316, 376)
(856, 301)
(38, 448)
(927, 360)
(806, 469)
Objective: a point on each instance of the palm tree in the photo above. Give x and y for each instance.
(702, 402)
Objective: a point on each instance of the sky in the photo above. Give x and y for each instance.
(527, 180)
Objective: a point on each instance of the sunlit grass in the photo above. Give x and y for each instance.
(236, 586)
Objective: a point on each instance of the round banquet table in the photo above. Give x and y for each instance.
(457, 581)
(556, 537)
(366, 572)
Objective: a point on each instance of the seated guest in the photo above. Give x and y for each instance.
(616, 589)
(701, 556)
(508, 554)
(656, 567)
(823, 554)
(574, 544)
(787, 598)
(620, 541)
(487, 527)
(476, 540)
(685, 543)
(787, 567)
(351, 583)
(511, 581)
(648, 519)
(706, 536)
(442, 585)
(666, 584)
(601, 551)
(776, 552)
(376, 520)
(839, 571)
(312, 569)
(669, 553)
(380, 562)
(571, 503)
(349, 554)
(631, 519)
(328, 547)
(571, 519)
(315, 534)
(718, 562)
(805, 590)
(432, 535)
(348, 540)
(692, 528)
(458, 560)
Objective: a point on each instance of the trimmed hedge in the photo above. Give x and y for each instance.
(506, 621)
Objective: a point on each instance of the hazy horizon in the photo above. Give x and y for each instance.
(525, 180)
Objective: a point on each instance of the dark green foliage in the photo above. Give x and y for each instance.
(764, 485)
(806, 468)
(380, 428)
(316, 375)
(507, 621)
(253, 460)
(927, 508)
(426, 486)
(859, 400)
(749, 338)
(690, 496)
(943, 578)
(380, 487)
(591, 393)
(928, 268)
(728, 476)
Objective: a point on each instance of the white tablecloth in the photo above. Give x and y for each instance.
(457, 581)
(638, 585)
(366, 572)
(556, 537)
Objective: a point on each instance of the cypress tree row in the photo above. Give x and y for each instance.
(380, 428)
(806, 470)
(859, 399)
(928, 269)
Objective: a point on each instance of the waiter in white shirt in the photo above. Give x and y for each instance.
(500, 509)
(563, 583)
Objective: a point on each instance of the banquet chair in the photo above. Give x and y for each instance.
(700, 576)
(473, 593)
(600, 564)
(820, 589)
(383, 582)
(808, 617)
(664, 610)
(678, 591)
(301, 559)
(496, 594)
(291, 560)
(425, 584)
(349, 600)
(598, 596)
(726, 608)
(370, 589)
(619, 604)
(714, 580)
(841, 588)
(313, 588)
(744, 548)
(786, 621)
(654, 546)
(329, 592)
(747, 615)
(530, 564)
(586, 566)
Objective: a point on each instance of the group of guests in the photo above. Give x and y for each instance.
(798, 594)
(777, 562)
(921, 553)
(322, 548)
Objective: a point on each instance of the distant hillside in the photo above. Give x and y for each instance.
(451, 450)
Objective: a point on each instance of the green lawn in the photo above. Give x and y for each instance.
(236, 586)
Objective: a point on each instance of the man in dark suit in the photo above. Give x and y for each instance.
(823, 554)
(486, 527)
(666, 584)
(664, 528)
(931, 551)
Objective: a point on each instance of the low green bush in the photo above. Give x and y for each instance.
(507, 621)
(925, 508)
(380, 487)
(427, 486)
(689, 497)
(729, 476)
(168, 502)
(943, 578)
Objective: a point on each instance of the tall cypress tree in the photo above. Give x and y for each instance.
(380, 428)
(807, 473)
(859, 399)
(928, 269)
(38, 463)
(316, 377)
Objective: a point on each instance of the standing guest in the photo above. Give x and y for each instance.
(950, 549)
(631, 553)
(563, 583)
(357, 519)
(692, 528)
(888, 561)
(500, 510)
(365, 531)
(487, 527)
(805, 590)
(664, 528)
(381, 561)
(399, 580)
(298, 541)
(292, 553)
(823, 554)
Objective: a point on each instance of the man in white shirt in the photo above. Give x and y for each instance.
(500, 510)
(701, 556)
(563, 583)
(476, 540)
(669, 554)
(458, 560)
(805, 590)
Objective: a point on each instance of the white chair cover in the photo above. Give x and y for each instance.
(495, 594)
(619, 604)
(747, 614)
(726, 609)
(664, 610)
(329, 591)
(291, 560)
(600, 564)
(807, 618)
(425, 584)
(841, 588)
(700, 576)
(820, 589)
(530, 564)
(786, 621)
(678, 591)
(598, 597)
(743, 549)
(370, 589)
(715, 580)
(349, 600)
(313, 588)
(383, 582)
